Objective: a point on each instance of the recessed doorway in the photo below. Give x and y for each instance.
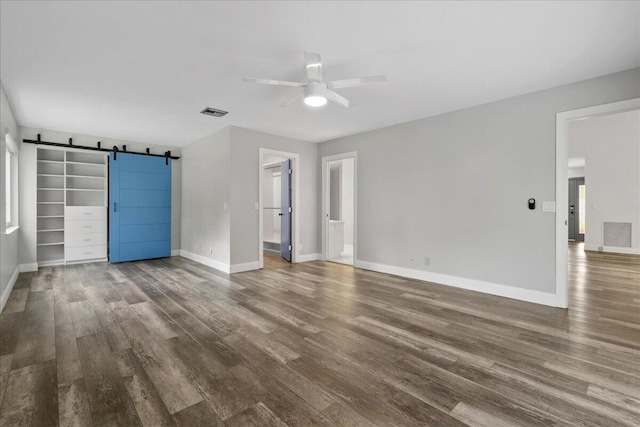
(339, 208)
(278, 207)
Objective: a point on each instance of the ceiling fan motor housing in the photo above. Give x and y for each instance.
(315, 89)
(315, 93)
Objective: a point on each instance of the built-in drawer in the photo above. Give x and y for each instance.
(85, 212)
(84, 253)
(85, 239)
(85, 226)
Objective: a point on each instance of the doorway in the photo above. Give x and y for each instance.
(339, 208)
(577, 221)
(278, 207)
(563, 121)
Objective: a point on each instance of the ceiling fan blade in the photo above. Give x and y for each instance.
(337, 84)
(338, 99)
(273, 82)
(291, 98)
(313, 62)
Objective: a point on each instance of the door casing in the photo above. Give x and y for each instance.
(326, 204)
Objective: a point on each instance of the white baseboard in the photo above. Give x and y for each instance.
(247, 266)
(224, 267)
(175, 252)
(7, 291)
(309, 257)
(612, 249)
(25, 268)
(528, 295)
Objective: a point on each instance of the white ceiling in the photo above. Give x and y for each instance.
(142, 71)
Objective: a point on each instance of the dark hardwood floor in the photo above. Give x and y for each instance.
(170, 341)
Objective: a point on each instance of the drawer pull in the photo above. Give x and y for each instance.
(88, 226)
(88, 213)
(87, 240)
(87, 253)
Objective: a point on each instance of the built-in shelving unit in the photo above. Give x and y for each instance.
(71, 190)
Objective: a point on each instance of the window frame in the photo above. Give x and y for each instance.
(11, 183)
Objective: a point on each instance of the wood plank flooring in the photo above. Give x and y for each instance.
(172, 342)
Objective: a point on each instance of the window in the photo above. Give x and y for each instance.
(11, 181)
(582, 210)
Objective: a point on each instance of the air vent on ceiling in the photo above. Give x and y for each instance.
(213, 112)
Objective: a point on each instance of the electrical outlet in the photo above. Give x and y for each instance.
(427, 260)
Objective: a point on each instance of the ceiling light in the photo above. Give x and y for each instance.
(315, 94)
(315, 101)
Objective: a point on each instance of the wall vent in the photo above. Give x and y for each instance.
(617, 234)
(214, 112)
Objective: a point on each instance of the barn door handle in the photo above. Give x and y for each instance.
(115, 206)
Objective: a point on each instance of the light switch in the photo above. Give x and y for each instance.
(257, 206)
(225, 206)
(549, 206)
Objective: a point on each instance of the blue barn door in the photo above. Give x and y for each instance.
(285, 210)
(139, 207)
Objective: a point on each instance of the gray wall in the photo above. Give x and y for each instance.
(205, 197)
(8, 243)
(245, 146)
(454, 187)
(28, 165)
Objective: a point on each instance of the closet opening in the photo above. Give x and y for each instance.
(278, 208)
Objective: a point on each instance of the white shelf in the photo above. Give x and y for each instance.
(271, 208)
(86, 163)
(85, 176)
(76, 172)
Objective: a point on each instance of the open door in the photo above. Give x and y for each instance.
(285, 210)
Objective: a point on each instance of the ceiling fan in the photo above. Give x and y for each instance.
(316, 92)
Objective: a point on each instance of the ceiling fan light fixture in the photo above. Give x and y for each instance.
(315, 94)
(315, 100)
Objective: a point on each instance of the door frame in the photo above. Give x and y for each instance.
(325, 202)
(562, 185)
(295, 219)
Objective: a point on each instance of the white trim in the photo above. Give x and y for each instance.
(612, 249)
(295, 238)
(325, 201)
(25, 268)
(175, 252)
(247, 266)
(11, 230)
(10, 143)
(225, 268)
(310, 257)
(521, 294)
(562, 184)
(7, 291)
